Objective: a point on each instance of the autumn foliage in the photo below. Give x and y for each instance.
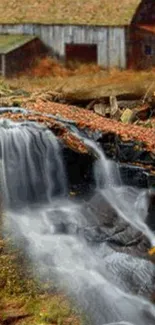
(49, 67)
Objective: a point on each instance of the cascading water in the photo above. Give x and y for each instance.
(58, 231)
(130, 203)
(31, 167)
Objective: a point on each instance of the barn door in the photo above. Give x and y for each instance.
(84, 53)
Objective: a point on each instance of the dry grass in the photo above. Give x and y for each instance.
(82, 81)
(49, 67)
(95, 12)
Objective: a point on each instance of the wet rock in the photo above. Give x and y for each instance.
(12, 110)
(79, 171)
(151, 210)
(151, 181)
(112, 229)
(65, 228)
(79, 167)
(121, 268)
(134, 176)
(124, 151)
(101, 224)
(133, 152)
(105, 214)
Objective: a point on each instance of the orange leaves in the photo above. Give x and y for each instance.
(74, 143)
(83, 118)
(48, 67)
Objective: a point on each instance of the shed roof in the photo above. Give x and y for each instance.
(9, 43)
(80, 12)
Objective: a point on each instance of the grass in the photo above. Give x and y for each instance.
(25, 301)
(10, 42)
(40, 310)
(82, 81)
(92, 12)
(53, 310)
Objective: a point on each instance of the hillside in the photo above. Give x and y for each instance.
(95, 12)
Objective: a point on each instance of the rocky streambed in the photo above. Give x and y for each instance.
(120, 247)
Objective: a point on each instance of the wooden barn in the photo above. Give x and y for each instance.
(109, 33)
(142, 36)
(18, 52)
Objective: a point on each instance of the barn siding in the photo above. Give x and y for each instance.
(139, 39)
(145, 13)
(110, 41)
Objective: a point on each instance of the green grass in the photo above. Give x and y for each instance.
(10, 42)
(21, 295)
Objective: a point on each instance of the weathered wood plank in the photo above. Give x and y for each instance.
(110, 41)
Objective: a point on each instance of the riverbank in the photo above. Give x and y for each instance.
(24, 299)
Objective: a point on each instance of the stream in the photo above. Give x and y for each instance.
(94, 249)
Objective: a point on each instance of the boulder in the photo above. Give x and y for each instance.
(114, 109)
(127, 116)
(102, 109)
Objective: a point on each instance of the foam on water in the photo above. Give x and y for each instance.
(53, 230)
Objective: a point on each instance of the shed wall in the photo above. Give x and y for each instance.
(110, 41)
(23, 57)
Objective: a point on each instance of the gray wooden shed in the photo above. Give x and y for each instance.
(102, 31)
(110, 42)
(85, 30)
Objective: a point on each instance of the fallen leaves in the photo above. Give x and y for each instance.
(88, 119)
(83, 118)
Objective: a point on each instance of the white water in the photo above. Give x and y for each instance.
(53, 228)
(31, 166)
(130, 203)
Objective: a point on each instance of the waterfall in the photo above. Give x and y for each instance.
(31, 164)
(111, 286)
(130, 203)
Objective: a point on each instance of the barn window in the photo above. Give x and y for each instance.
(148, 50)
(81, 53)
